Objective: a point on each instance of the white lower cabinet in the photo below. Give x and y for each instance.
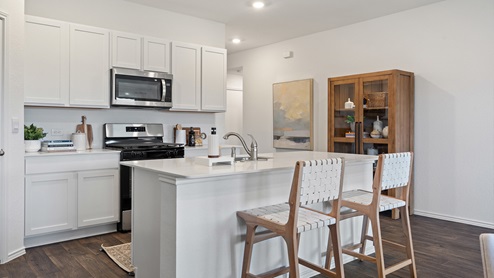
(97, 197)
(50, 203)
(70, 196)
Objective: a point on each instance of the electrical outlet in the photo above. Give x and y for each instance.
(56, 132)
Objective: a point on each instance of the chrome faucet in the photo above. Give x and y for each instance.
(253, 146)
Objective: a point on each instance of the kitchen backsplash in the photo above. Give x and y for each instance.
(60, 123)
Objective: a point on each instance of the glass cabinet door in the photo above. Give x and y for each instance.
(344, 102)
(376, 96)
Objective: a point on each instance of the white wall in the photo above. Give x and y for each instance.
(127, 17)
(234, 105)
(11, 213)
(450, 48)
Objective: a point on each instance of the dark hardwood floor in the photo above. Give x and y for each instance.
(442, 249)
(75, 258)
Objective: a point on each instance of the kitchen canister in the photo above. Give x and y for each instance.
(79, 141)
(180, 136)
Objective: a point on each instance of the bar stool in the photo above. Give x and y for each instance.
(393, 171)
(313, 182)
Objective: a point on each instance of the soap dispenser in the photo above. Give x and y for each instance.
(213, 144)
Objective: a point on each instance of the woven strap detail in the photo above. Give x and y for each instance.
(320, 180)
(279, 214)
(396, 170)
(365, 198)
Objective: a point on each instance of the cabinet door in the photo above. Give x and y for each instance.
(50, 203)
(46, 70)
(89, 67)
(342, 133)
(186, 70)
(97, 197)
(376, 90)
(213, 79)
(156, 54)
(126, 50)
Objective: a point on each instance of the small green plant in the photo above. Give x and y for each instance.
(350, 119)
(33, 133)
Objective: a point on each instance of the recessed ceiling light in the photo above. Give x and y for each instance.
(236, 40)
(258, 5)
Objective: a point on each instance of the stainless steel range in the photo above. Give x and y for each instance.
(136, 142)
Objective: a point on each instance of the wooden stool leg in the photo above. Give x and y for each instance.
(405, 220)
(336, 248)
(365, 229)
(249, 242)
(292, 247)
(376, 234)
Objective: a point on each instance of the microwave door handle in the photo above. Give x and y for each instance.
(163, 84)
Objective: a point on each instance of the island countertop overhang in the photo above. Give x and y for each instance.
(187, 168)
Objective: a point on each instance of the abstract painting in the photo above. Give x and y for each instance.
(292, 115)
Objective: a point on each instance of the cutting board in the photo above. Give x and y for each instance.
(86, 129)
(197, 131)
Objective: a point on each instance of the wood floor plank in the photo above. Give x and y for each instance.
(442, 249)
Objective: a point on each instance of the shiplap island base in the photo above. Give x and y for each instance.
(184, 214)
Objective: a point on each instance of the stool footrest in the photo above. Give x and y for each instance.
(397, 266)
(394, 244)
(359, 255)
(317, 268)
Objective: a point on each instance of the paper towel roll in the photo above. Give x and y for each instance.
(79, 141)
(180, 136)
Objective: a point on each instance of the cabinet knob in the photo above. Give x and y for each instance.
(2, 152)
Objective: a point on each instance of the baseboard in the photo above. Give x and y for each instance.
(454, 219)
(68, 235)
(16, 254)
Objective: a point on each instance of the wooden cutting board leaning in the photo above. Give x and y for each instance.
(86, 129)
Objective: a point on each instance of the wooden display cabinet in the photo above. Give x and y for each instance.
(387, 94)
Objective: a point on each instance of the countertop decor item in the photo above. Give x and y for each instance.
(86, 129)
(292, 115)
(32, 136)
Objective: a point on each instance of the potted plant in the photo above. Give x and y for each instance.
(32, 136)
(350, 119)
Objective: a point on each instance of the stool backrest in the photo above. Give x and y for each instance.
(321, 180)
(396, 170)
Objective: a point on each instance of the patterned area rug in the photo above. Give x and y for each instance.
(120, 254)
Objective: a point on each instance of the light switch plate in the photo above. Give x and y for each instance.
(15, 125)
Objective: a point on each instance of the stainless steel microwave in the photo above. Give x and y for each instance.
(141, 88)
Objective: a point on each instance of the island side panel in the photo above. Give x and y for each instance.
(146, 215)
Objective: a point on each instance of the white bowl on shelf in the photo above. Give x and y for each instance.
(376, 135)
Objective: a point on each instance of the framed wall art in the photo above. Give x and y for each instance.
(292, 115)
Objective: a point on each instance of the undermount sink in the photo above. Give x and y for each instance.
(247, 158)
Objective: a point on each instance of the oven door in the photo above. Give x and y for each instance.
(139, 88)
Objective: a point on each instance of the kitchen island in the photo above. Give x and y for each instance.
(184, 213)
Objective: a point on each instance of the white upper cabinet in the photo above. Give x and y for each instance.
(186, 70)
(156, 54)
(142, 53)
(199, 78)
(89, 67)
(46, 71)
(126, 52)
(213, 79)
(66, 64)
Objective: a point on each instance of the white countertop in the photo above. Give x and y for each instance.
(86, 152)
(188, 168)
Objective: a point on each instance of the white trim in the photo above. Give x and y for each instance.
(3, 190)
(454, 219)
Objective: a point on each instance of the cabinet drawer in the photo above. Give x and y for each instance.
(74, 162)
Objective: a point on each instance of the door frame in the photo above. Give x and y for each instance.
(3, 179)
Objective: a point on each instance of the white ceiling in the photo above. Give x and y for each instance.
(280, 20)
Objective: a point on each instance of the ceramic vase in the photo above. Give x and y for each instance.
(32, 146)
